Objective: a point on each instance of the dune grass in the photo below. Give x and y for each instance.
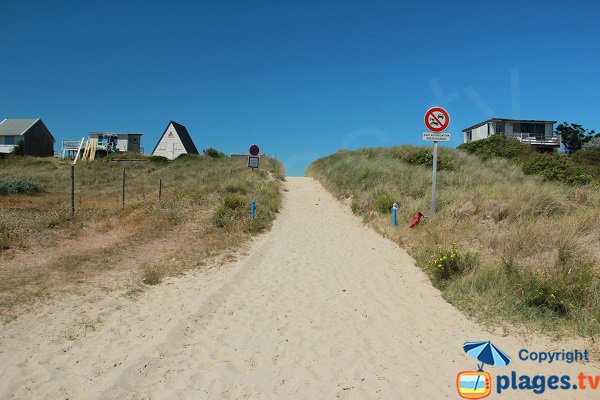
(105, 237)
(525, 250)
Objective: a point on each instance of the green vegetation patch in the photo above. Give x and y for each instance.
(573, 169)
(20, 186)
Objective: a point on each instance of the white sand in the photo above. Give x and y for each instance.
(323, 308)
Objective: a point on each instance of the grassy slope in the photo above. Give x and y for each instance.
(204, 209)
(535, 243)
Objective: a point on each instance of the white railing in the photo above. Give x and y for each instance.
(536, 141)
(70, 144)
(6, 148)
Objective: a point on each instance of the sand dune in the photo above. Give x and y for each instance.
(321, 308)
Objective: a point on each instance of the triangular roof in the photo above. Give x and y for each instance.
(184, 136)
(16, 127)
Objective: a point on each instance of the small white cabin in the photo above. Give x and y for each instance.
(175, 140)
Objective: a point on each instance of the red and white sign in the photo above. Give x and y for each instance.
(254, 150)
(437, 119)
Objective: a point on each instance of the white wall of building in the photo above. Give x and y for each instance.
(170, 146)
(481, 132)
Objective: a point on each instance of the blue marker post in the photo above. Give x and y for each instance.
(252, 208)
(394, 211)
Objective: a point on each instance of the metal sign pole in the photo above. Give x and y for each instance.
(434, 176)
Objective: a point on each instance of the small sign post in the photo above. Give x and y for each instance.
(436, 120)
(253, 158)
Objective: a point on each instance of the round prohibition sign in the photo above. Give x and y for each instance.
(437, 119)
(254, 150)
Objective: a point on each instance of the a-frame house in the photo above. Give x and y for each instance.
(174, 141)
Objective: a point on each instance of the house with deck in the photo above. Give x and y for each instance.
(37, 139)
(102, 143)
(111, 142)
(532, 132)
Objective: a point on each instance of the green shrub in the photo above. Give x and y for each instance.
(354, 205)
(19, 149)
(589, 158)
(383, 203)
(234, 188)
(158, 159)
(447, 263)
(18, 186)
(425, 157)
(233, 202)
(556, 167)
(214, 153)
(230, 211)
(499, 146)
(152, 276)
(184, 157)
(543, 297)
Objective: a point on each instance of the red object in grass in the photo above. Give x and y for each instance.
(416, 220)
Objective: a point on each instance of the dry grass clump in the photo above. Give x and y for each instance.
(531, 247)
(44, 249)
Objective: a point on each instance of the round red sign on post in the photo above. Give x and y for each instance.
(437, 119)
(254, 150)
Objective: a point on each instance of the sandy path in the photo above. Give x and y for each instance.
(323, 308)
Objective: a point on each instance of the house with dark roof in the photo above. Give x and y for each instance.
(37, 139)
(533, 132)
(175, 140)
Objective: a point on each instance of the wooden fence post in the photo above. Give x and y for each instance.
(123, 190)
(72, 190)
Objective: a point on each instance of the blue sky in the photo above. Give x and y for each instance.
(300, 79)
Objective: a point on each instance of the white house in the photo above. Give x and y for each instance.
(174, 141)
(536, 133)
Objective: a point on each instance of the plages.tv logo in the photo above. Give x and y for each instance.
(478, 384)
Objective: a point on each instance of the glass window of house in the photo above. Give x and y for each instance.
(540, 129)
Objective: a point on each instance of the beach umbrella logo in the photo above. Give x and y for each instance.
(478, 384)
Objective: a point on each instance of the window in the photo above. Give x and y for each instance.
(469, 136)
(516, 127)
(9, 140)
(540, 129)
(500, 127)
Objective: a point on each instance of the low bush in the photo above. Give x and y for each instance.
(556, 167)
(355, 205)
(18, 186)
(448, 263)
(19, 149)
(230, 211)
(152, 276)
(234, 188)
(425, 157)
(214, 153)
(383, 203)
(498, 146)
(159, 159)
